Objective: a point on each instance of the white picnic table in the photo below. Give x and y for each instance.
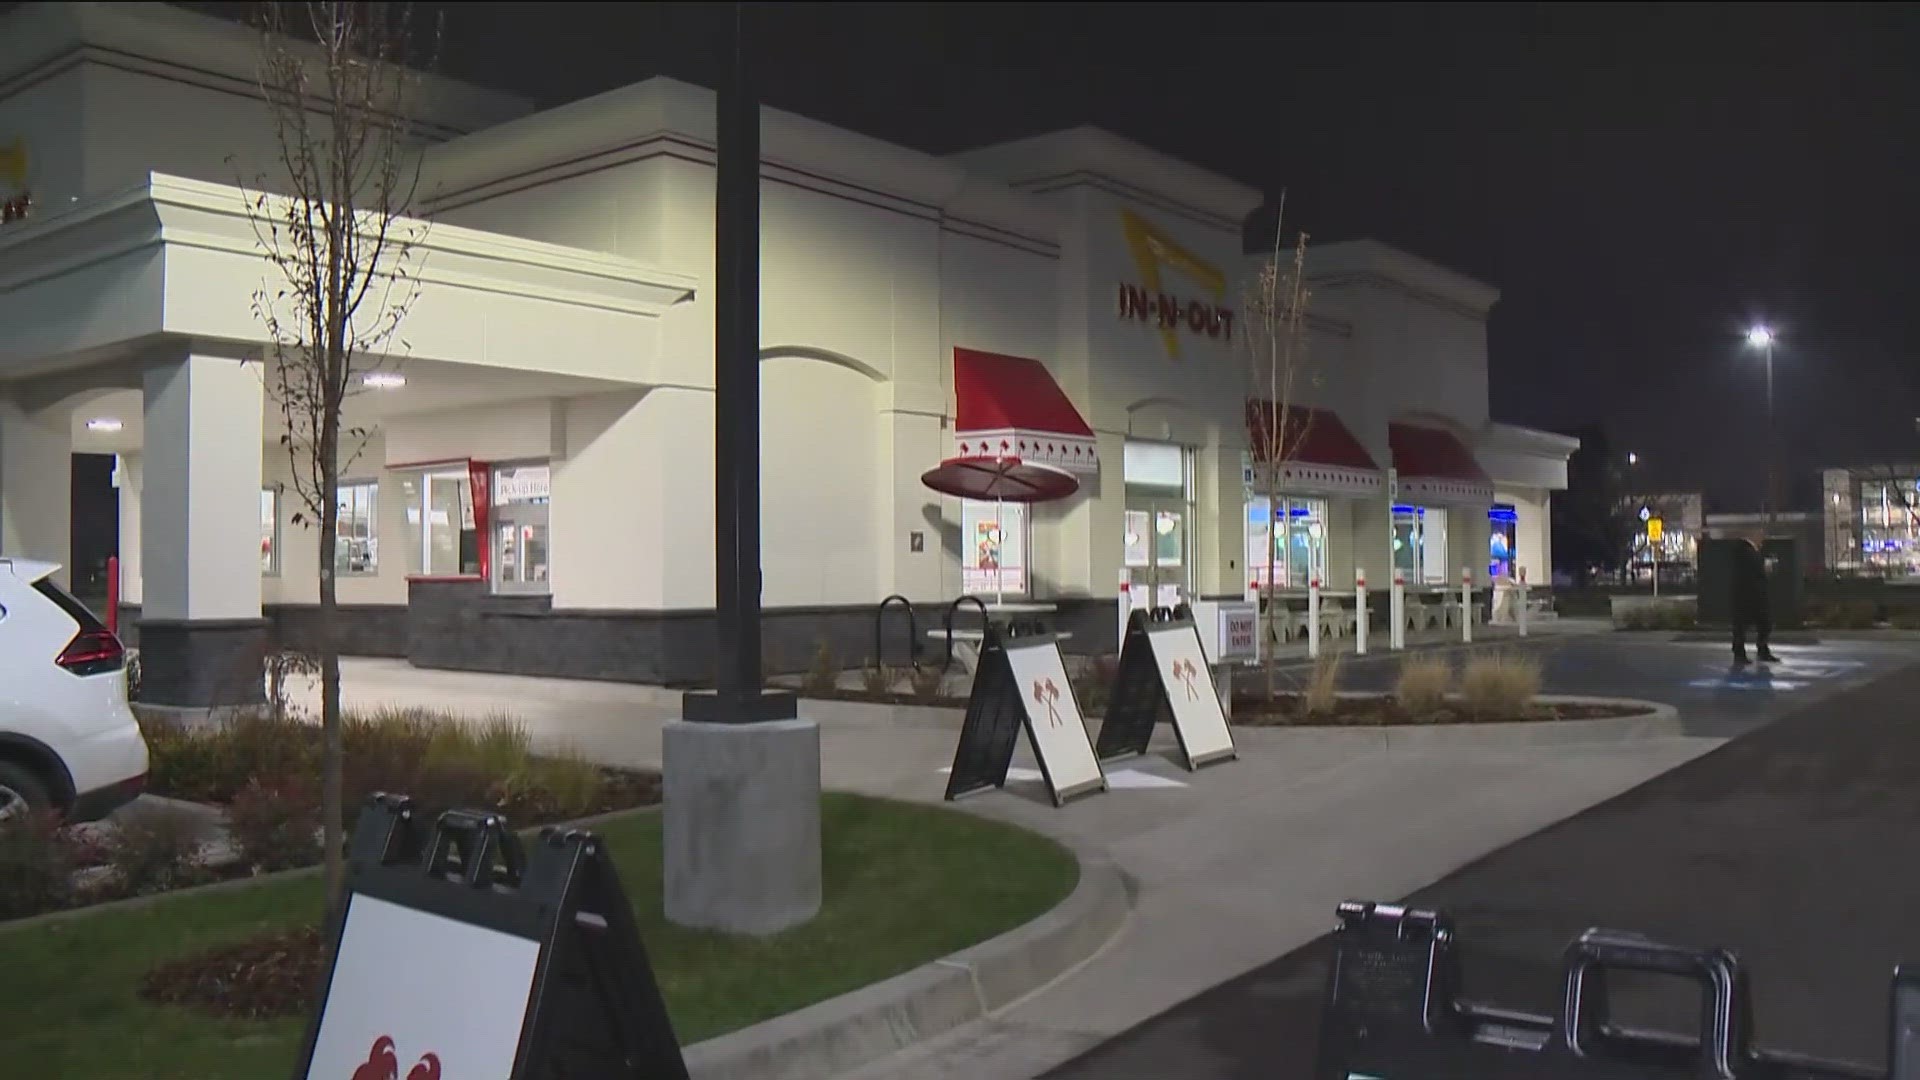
(967, 640)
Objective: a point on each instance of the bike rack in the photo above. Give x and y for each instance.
(913, 631)
(948, 622)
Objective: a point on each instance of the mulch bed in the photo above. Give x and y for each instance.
(268, 977)
(1289, 710)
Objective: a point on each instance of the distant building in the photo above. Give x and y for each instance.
(1681, 517)
(1870, 519)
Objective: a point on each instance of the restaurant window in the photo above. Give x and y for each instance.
(1420, 544)
(270, 532)
(994, 551)
(441, 538)
(1299, 547)
(1503, 528)
(521, 496)
(356, 547)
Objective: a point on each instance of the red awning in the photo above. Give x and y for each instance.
(1009, 406)
(1433, 464)
(1321, 453)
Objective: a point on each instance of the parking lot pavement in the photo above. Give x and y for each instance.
(1790, 845)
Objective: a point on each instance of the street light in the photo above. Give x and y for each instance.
(1633, 458)
(1762, 337)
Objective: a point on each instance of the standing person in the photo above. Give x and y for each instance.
(1750, 605)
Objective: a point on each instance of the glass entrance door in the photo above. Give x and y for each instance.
(1156, 544)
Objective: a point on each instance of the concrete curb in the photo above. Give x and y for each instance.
(837, 1036)
(1660, 721)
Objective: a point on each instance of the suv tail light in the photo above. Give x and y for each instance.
(93, 652)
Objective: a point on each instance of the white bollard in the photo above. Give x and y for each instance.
(1466, 604)
(1521, 615)
(1359, 613)
(1313, 619)
(1397, 611)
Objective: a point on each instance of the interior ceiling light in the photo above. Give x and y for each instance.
(105, 423)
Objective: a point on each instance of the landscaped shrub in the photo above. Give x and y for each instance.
(571, 784)
(36, 866)
(498, 746)
(1661, 617)
(276, 824)
(263, 745)
(187, 763)
(157, 848)
(926, 683)
(1425, 679)
(824, 675)
(1906, 618)
(1323, 685)
(878, 679)
(1500, 686)
(1844, 614)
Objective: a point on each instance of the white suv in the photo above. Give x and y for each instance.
(68, 740)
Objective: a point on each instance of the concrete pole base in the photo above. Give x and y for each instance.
(741, 824)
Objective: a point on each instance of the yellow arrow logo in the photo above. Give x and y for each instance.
(1152, 249)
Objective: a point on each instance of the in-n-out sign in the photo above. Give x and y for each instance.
(1168, 311)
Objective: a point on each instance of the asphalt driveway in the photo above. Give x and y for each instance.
(1793, 845)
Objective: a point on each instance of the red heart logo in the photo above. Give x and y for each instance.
(427, 1069)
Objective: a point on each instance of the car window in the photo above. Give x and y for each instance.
(75, 610)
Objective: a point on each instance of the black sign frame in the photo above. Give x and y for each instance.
(594, 1008)
(1140, 701)
(1392, 1011)
(996, 715)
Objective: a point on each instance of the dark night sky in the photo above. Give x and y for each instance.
(1640, 181)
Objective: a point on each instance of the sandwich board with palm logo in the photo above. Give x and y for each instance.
(1021, 682)
(462, 955)
(1164, 676)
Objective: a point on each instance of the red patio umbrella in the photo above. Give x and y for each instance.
(1002, 479)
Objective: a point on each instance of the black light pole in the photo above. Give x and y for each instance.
(738, 696)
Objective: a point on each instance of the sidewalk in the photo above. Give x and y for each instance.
(1235, 864)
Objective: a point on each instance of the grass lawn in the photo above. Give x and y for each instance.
(905, 884)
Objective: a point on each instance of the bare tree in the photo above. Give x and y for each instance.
(1276, 317)
(343, 258)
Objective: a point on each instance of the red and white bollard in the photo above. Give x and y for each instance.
(1520, 612)
(1466, 604)
(1313, 619)
(1360, 613)
(1397, 611)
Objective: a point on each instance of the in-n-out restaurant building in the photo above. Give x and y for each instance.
(535, 493)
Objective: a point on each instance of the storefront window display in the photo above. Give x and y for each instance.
(356, 548)
(993, 548)
(1159, 515)
(1503, 527)
(270, 532)
(521, 496)
(441, 538)
(1420, 544)
(1300, 548)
